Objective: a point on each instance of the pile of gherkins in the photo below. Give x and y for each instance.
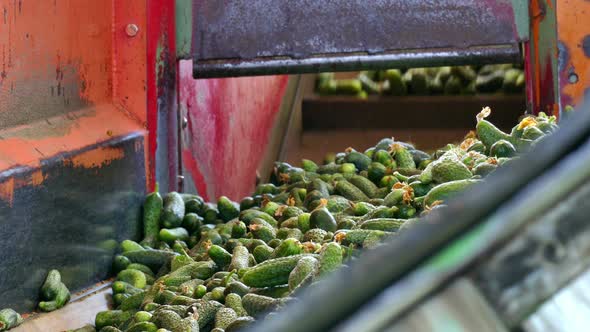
(458, 80)
(221, 266)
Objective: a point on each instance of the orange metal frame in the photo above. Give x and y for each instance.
(70, 77)
(573, 37)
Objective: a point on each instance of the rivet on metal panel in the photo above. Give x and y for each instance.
(573, 78)
(131, 30)
(184, 122)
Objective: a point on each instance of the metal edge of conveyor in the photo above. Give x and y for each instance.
(292, 128)
(528, 216)
(281, 130)
(81, 310)
(352, 62)
(348, 289)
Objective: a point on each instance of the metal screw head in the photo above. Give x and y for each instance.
(131, 30)
(573, 78)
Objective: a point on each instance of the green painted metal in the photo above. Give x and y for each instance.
(521, 18)
(184, 28)
(458, 251)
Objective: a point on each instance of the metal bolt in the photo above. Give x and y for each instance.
(184, 122)
(132, 30)
(573, 78)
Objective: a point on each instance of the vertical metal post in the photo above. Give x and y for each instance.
(541, 58)
(162, 91)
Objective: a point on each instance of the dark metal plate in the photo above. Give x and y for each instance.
(71, 220)
(235, 32)
(409, 112)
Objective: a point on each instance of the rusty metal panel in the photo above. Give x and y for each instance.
(70, 76)
(48, 67)
(574, 52)
(300, 36)
(74, 151)
(59, 56)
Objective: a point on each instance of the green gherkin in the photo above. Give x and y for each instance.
(217, 265)
(449, 168)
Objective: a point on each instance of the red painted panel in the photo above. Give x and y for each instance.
(229, 124)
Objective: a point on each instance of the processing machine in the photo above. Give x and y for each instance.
(99, 101)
